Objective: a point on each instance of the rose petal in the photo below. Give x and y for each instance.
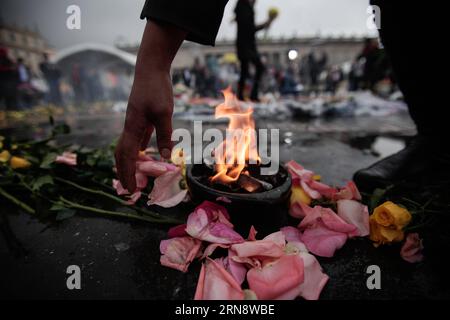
(177, 231)
(349, 192)
(215, 283)
(151, 168)
(166, 190)
(276, 237)
(212, 247)
(355, 213)
(315, 279)
(119, 188)
(278, 280)
(258, 248)
(209, 222)
(322, 241)
(329, 218)
(134, 198)
(223, 199)
(304, 178)
(411, 250)
(252, 234)
(236, 269)
(68, 158)
(292, 234)
(178, 253)
(299, 210)
(141, 180)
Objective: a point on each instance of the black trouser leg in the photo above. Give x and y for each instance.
(409, 40)
(259, 70)
(243, 78)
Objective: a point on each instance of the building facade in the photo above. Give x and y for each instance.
(275, 51)
(23, 43)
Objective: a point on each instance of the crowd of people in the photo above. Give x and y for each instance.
(309, 73)
(21, 87)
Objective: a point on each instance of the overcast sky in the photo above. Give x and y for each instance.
(110, 21)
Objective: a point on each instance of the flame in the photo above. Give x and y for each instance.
(239, 147)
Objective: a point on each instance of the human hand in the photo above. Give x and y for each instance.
(150, 105)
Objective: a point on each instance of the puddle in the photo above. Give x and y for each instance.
(385, 146)
(379, 146)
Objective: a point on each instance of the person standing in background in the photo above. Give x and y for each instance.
(8, 80)
(52, 75)
(246, 46)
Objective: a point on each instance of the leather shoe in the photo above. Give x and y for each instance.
(421, 160)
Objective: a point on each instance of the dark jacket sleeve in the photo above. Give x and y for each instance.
(201, 18)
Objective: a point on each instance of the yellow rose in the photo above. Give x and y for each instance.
(389, 214)
(4, 156)
(387, 223)
(19, 163)
(381, 235)
(299, 195)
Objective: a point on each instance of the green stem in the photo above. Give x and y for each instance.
(99, 192)
(17, 202)
(75, 205)
(110, 196)
(32, 143)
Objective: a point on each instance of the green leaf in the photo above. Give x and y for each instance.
(48, 160)
(61, 129)
(376, 198)
(91, 160)
(41, 181)
(65, 214)
(58, 206)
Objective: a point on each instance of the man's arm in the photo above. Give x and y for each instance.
(150, 104)
(264, 25)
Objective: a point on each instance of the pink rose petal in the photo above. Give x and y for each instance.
(315, 279)
(178, 253)
(252, 234)
(329, 218)
(151, 168)
(304, 178)
(177, 231)
(292, 234)
(277, 280)
(215, 283)
(349, 192)
(212, 247)
(322, 241)
(411, 250)
(236, 269)
(209, 222)
(166, 190)
(258, 248)
(67, 158)
(354, 213)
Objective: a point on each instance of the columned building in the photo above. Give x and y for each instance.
(338, 50)
(23, 43)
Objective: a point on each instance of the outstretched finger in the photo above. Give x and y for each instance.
(163, 136)
(127, 150)
(146, 138)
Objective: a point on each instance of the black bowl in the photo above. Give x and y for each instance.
(266, 211)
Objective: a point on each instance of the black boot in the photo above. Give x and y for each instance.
(423, 160)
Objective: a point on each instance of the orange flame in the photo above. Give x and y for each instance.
(239, 146)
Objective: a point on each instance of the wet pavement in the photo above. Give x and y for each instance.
(120, 259)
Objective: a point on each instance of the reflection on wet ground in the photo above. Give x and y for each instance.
(120, 259)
